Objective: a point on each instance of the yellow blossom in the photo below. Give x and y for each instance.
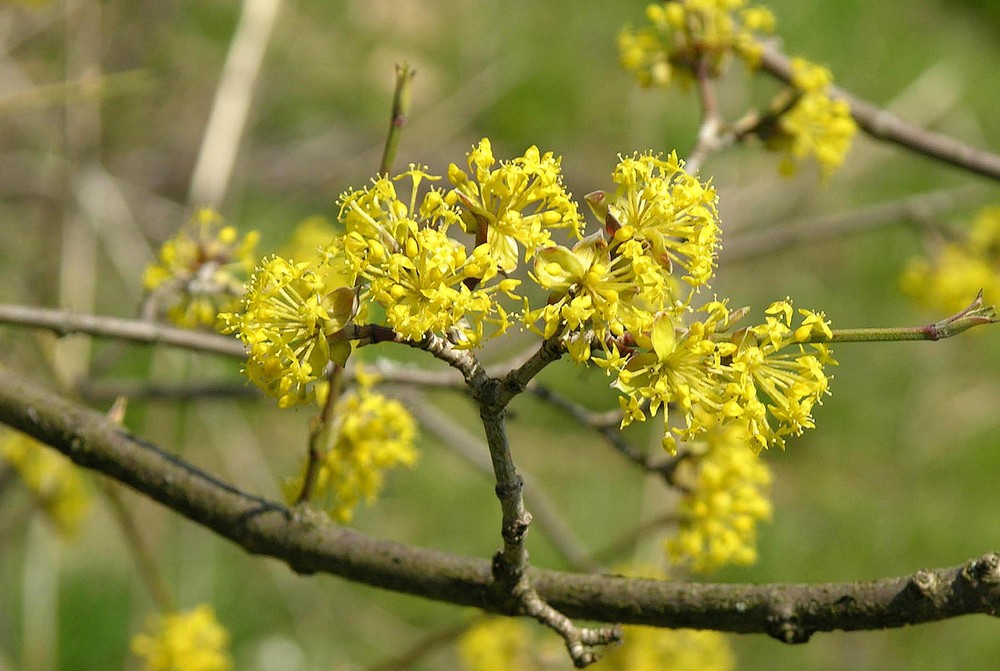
(772, 381)
(816, 126)
(200, 271)
(56, 483)
(683, 33)
(514, 205)
(497, 643)
(368, 435)
(653, 649)
(401, 254)
(670, 212)
(676, 369)
(949, 279)
(291, 323)
(726, 490)
(192, 640)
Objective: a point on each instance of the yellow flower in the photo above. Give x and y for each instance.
(816, 126)
(670, 212)
(192, 640)
(676, 369)
(497, 643)
(55, 482)
(949, 280)
(291, 322)
(368, 435)
(726, 490)
(773, 381)
(596, 289)
(682, 33)
(653, 649)
(514, 205)
(401, 254)
(200, 271)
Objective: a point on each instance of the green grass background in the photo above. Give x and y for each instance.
(900, 474)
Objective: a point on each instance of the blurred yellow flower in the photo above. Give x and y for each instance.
(200, 271)
(951, 278)
(192, 640)
(56, 483)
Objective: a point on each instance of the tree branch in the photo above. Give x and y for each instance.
(789, 612)
(64, 322)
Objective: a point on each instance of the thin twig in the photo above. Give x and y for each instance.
(751, 245)
(611, 433)
(321, 424)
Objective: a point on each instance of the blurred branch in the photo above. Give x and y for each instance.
(94, 391)
(231, 105)
(88, 88)
(145, 563)
(63, 322)
(750, 245)
(883, 125)
(789, 612)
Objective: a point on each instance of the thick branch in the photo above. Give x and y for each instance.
(787, 611)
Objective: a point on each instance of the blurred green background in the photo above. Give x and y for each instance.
(900, 474)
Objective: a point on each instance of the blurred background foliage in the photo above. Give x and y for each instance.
(103, 106)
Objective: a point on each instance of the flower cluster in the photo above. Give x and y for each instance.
(292, 324)
(515, 205)
(762, 378)
(725, 489)
(660, 234)
(621, 296)
(57, 485)
(425, 279)
(686, 34)
(960, 268)
(815, 125)
(368, 434)
(192, 640)
(200, 271)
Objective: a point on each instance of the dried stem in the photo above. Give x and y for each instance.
(231, 105)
